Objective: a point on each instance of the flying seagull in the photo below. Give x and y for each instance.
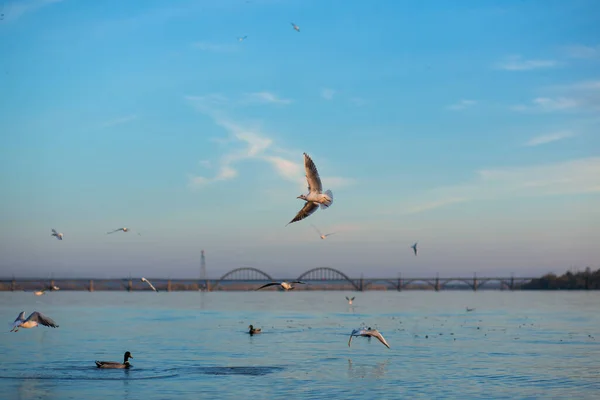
(368, 333)
(296, 27)
(350, 300)
(121, 229)
(241, 39)
(315, 196)
(320, 234)
(284, 285)
(34, 319)
(470, 309)
(149, 284)
(414, 247)
(58, 235)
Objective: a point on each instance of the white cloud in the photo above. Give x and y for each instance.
(327, 94)
(578, 96)
(517, 63)
(16, 9)
(118, 121)
(547, 104)
(461, 105)
(255, 146)
(582, 51)
(548, 138)
(572, 177)
(265, 97)
(216, 47)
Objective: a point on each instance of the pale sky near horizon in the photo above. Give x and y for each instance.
(471, 127)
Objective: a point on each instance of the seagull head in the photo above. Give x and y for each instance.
(302, 196)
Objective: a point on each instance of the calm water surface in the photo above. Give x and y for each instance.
(194, 345)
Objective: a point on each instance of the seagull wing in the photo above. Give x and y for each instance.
(329, 234)
(269, 284)
(316, 229)
(355, 332)
(351, 299)
(307, 210)
(347, 298)
(116, 230)
(312, 175)
(303, 283)
(42, 319)
(54, 232)
(21, 317)
(375, 333)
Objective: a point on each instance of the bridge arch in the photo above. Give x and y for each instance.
(247, 273)
(388, 282)
(326, 273)
(407, 282)
(467, 282)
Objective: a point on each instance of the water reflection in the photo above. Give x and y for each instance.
(367, 371)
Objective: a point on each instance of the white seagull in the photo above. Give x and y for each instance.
(34, 319)
(315, 196)
(414, 247)
(121, 229)
(284, 285)
(58, 235)
(296, 27)
(321, 234)
(149, 284)
(368, 333)
(350, 300)
(241, 39)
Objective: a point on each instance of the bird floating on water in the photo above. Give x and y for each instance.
(34, 319)
(296, 27)
(58, 235)
(241, 39)
(414, 247)
(350, 300)
(114, 364)
(284, 285)
(368, 333)
(149, 284)
(321, 234)
(315, 196)
(253, 331)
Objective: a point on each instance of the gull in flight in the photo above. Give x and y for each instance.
(414, 247)
(241, 39)
(315, 196)
(121, 229)
(43, 291)
(58, 235)
(321, 234)
(296, 27)
(350, 300)
(34, 319)
(149, 284)
(368, 333)
(470, 309)
(284, 285)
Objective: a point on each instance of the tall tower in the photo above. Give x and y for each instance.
(202, 266)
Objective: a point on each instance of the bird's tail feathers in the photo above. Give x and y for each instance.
(329, 194)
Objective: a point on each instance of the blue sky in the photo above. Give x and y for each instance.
(469, 126)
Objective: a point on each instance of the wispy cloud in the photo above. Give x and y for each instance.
(547, 104)
(582, 51)
(249, 143)
(461, 105)
(118, 121)
(549, 138)
(358, 101)
(578, 96)
(16, 9)
(327, 94)
(216, 47)
(572, 177)
(265, 98)
(517, 63)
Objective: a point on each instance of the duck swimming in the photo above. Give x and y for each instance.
(253, 331)
(116, 365)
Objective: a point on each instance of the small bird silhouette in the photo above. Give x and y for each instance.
(296, 27)
(414, 247)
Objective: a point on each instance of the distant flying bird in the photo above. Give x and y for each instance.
(414, 247)
(368, 333)
(350, 300)
(470, 309)
(315, 196)
(284, 285)
(40, 292)
(34, 319)
(116, 365)
(241, 39)
(296, 27)
(320, 234)
(117, 230)
(149, 284)
(58, 235)
(43, 291)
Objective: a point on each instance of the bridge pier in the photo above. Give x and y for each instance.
(512, 283)
(91, 287)
(13, 285)
(474, 282)
(362, 281)
(169, 285)
(399, 282)
(437, 283)
(129, 285)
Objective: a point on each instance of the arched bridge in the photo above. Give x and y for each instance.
(326, 274)
(243, 274)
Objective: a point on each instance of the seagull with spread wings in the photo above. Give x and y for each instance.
(122, 229)
(321, 234)
(241, 39)
(316, 197)
(296, 27)
(149, 284)
(284, 285)
(34, 319)
(414, 247)
(350, 300)
(58, 235)
(368, 333)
